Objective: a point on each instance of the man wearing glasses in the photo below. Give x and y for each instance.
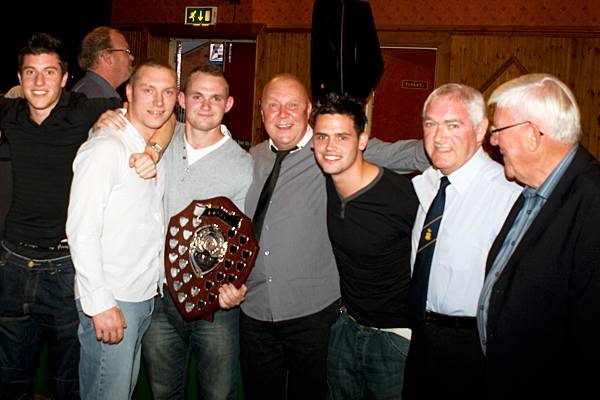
(538, 310)
(106, 57)
(450, 242)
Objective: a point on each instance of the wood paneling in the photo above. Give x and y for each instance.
(482, 57)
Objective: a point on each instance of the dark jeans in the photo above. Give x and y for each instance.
(170, 342)
(296, 350)
(365, 363)
(36, 305)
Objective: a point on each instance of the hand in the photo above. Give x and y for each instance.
(230, 296)
(110, 325)
(144, 164)
(111, 119)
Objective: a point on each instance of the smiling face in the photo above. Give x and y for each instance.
(449, 135)
(285, 109)
(42, 81)
(337, 145)
(206, 101)
(151, 98)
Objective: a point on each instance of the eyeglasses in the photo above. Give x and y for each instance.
(128, 51)
(498, 130)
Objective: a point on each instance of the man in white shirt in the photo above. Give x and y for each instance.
(115, 228)
(445, 357)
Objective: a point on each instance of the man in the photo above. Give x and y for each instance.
(115, 229)
(370, 214)
(538, 310)
(44, 131)
(107, 60)
(293, 289)
(445, 359)
(203, 161)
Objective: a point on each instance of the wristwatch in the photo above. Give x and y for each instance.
(156, 147)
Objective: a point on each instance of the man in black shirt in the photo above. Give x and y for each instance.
(44, 131)
(370, 213)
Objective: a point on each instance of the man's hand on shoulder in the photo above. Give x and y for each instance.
(110, 119)
(110, 325)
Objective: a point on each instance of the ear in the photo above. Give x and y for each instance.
(363, 140)
(129, 92)
(533, 139)
(481, 130)
(63, 82)
(19, 76)
(181, 99)
(229, 104)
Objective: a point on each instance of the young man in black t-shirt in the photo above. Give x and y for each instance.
(370, 214)
(44, 131)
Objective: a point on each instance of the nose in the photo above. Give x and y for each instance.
(158, 99)
(39, 79)
(205, 104)
(439, 133)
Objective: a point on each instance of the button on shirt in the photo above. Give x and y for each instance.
(533, 202)
(115, 223)
(477, 203)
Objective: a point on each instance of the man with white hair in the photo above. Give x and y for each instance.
(463, 200)
(538, 311)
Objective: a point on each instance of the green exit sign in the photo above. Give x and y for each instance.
(200, 16)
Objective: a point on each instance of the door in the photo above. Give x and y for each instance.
(408, 78)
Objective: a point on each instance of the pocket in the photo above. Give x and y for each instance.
(397, 343)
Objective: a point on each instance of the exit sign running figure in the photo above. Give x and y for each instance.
(200, 16)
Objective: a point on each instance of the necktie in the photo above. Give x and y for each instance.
(266, 193)
(417, 292)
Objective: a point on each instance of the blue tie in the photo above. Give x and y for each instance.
(417, 292)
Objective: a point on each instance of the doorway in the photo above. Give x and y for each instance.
(408, 78)
(236, 58)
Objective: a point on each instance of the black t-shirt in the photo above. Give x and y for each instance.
(370, 232)
(42, 157)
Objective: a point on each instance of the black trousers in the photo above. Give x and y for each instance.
(444, 362)
(292, 351)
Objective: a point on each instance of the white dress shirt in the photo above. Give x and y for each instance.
(115, 223)
(478, 201)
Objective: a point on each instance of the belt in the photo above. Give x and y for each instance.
(450, 321)
(62, 245)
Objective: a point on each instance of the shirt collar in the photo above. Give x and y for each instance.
(461, 178)
(301, 144)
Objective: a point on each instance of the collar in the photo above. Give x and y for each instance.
(545, 190)
(301, 144)
(101, 81)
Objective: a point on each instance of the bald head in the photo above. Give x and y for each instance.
(285, 110)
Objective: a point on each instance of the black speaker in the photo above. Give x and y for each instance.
(345, 53)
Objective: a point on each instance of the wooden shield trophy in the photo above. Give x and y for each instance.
(208, 244)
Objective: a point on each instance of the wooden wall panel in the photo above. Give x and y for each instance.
(277, 52)
(587, 91)
(486, 61)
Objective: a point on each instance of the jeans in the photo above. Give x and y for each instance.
(110, 371)
(37, 305)
(288, 355)
(170, 343)
(365, 363)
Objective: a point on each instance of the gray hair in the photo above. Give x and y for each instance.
(544, 100)
(470, 97)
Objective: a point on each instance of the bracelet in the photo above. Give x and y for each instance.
(156, 147)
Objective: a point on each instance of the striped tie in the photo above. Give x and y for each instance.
(417, 292)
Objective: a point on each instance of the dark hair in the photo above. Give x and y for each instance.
(208, 69)
(92, 44)
(43, 43)
(334, 103)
